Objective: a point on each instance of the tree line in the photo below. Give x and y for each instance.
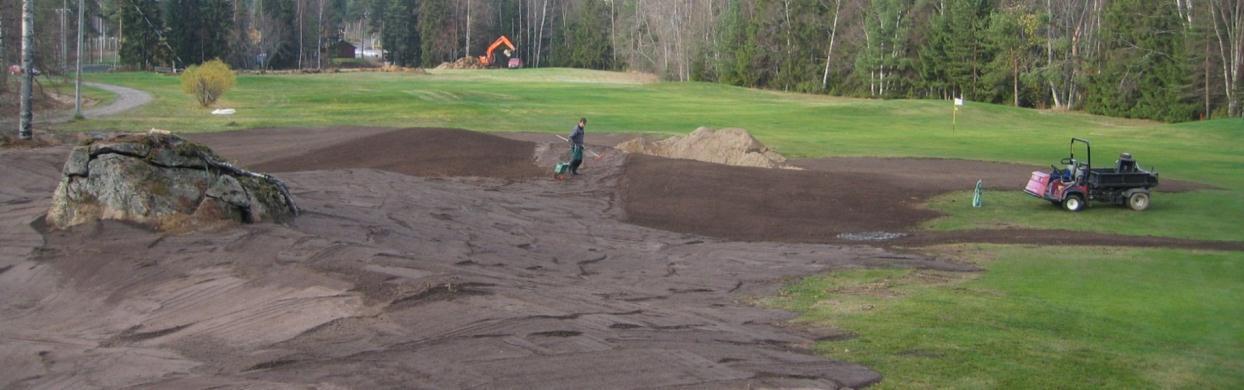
(1170, 60)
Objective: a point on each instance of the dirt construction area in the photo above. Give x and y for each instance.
(438, 258)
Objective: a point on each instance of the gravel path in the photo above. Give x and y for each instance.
(127, 99)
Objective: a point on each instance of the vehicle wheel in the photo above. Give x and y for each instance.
(1139, 201)
(1073, 202)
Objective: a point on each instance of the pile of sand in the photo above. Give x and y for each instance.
(724, 146)
(467, 62)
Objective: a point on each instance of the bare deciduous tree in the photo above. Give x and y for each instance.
(1228, 20)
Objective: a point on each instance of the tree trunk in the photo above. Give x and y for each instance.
(64, 38)
(1015, 77)
(319, 38)
(544, 11)
(4, 55)
(299, 4)
(466, 51)
(77, 80)
(1228, 20)
(28, 74)
(1205, 72)
(116, 53)
(833, 32)
(613, 47)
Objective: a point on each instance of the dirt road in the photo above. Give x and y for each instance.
(127, 99)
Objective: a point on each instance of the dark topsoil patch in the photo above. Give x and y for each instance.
(758, 204)
(945, 175)
(838, 195)
(418, 152)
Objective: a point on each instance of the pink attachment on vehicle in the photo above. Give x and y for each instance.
(1037, 183)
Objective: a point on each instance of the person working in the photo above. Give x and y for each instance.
(576, 146)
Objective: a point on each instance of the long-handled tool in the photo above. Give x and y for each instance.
(595, 155)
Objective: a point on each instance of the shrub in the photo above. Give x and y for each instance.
(208, 81)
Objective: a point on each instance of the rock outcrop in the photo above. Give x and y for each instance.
(165, 182)
(724, 146)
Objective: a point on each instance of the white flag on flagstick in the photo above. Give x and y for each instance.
(958, 102)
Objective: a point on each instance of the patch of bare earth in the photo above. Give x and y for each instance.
(397, 276)
(445, 258)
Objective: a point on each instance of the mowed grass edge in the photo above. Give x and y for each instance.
(1076, 317)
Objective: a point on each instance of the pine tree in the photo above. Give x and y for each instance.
(1141, 72)
(184, 25)
(214, 30)
(281, 13)
(436, 32)
(731, 45)
(952, 58)
(401, 34)
(141, 44)
(584, 44)
(1012, 39)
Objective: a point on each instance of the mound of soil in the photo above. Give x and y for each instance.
(420, 152)
(467, 62)
(753, 204)
(726, 146)
(390, 280)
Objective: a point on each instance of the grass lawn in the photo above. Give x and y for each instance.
(1201, 215)
(798, 125)
(1039, 318)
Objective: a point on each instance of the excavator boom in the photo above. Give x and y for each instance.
(487, 58)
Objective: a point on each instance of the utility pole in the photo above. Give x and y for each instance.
(64, 39)
(77, 83)
(28, 74)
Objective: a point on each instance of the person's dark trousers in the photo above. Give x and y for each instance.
(576, 155)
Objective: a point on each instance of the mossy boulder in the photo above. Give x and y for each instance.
(165, 182)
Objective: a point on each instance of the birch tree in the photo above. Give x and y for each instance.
(1227, 17)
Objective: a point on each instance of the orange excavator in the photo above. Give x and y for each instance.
(487, 58)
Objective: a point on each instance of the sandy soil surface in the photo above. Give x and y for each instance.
(397, 280)
(401, 276)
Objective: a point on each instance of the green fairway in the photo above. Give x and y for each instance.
(797, 125)
(1039, 318)
(1201, 215)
